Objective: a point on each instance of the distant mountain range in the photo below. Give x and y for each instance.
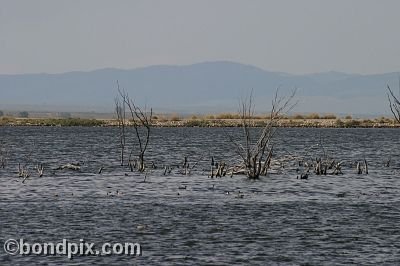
(198, 88)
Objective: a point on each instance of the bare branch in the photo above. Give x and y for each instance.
(141, 119)
(256, 155)
(394, 103)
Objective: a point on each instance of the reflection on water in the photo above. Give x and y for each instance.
(280, 220)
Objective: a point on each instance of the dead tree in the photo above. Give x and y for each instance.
(394, 103)
(23, 172)
(120, 111)
(40, 169)
(141, 123)
(212, 167)
(256, 153)
(221, 171)
(338, 168)
(185, 166)
(360, 169)
(24, 167)
(4, 154)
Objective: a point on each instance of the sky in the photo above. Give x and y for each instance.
(298, 36)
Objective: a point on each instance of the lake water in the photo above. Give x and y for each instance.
(335, 220)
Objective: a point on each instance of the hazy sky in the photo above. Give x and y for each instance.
(290, 36)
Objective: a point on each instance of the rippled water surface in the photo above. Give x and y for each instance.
(339, 220)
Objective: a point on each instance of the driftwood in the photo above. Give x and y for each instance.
(366, 166)
(362, 169)
(23, 172)
(185, 166)
(70, 166)
(3, 156)
(218, 170)
(132, 164)
(40, 169)
(167, 169)
(3, 162)
(212, 167)
(221, 171)
(338, 169)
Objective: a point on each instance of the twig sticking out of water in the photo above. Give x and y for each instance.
(40, 169)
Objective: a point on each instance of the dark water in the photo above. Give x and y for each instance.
(325, 220)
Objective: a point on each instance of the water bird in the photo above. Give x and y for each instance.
(303, 176)
(141, 227)
(341, 194)
(182, 187)
(240, 195)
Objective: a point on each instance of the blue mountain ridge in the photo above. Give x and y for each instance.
(202, 87)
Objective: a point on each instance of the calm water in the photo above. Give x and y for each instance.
(333, 220)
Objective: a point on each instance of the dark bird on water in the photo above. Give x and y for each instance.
(303, 176)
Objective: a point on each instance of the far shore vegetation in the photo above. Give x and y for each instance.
(211, 120)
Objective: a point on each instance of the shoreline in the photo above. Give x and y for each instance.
(295, 123)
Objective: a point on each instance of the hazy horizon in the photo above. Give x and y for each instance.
(297, 37)
(196, 63)
(198, 88)
(341, 54)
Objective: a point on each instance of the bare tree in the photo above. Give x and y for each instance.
(256, 153)
(141, 122)
(4, 154)
(394, 103)
(120, 111)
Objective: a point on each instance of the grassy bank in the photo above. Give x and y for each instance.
(209, 121)
(62, 122)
